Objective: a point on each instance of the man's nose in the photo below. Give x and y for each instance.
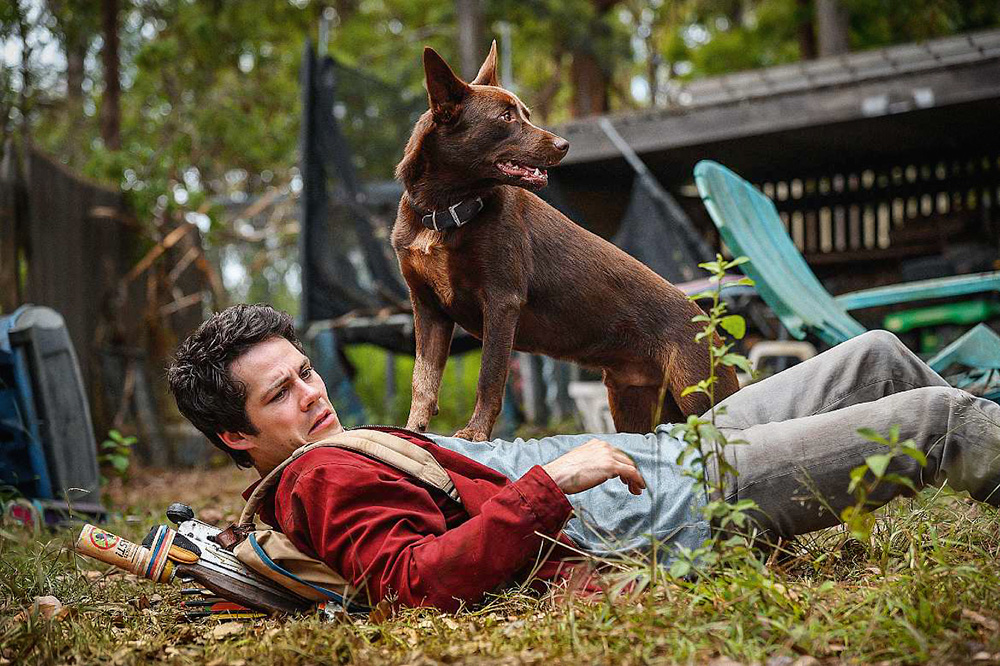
(310, 394)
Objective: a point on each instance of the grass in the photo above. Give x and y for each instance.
(927, 591)
(456, 400)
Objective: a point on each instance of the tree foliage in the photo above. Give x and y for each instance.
(210, 101)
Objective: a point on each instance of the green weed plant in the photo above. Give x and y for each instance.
(865, 478)
(705, 444)
(116, 454)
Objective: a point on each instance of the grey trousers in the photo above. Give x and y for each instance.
(801, 426)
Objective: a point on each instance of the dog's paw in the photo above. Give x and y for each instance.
(472, 435)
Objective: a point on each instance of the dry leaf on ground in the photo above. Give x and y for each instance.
(724, 661)
(48, 607)
(981, 620)
(806, 660)
(227, 629)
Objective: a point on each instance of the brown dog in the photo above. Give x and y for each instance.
(517, 274)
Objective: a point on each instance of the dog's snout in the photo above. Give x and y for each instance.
(560, 144)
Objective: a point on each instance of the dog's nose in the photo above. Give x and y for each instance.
(560, 144)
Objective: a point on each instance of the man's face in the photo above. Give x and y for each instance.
(286, 401)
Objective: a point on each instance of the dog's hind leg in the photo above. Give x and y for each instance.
(670, 411)
(688, 371)
(693, 403)
(633, 408)
(727, 384)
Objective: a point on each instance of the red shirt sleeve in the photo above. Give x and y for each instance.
(385, 533)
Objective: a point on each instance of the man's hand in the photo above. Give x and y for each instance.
(591, 465)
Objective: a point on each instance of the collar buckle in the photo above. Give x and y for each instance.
(458, 221)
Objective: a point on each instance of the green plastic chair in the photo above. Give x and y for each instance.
(750, 226)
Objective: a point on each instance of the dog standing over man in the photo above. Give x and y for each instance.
(478, 248)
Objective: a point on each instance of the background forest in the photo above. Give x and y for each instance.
(193, 109)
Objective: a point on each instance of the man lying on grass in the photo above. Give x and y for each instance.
(529, 508)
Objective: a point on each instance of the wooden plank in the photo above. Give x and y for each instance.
(168, 242)
(872, 255)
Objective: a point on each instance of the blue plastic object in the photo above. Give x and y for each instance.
(22, 456)
(977, 355)
(979, 348)
(47, 447)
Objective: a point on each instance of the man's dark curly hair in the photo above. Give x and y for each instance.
(206, 392)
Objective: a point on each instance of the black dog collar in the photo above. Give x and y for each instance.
(454, 216)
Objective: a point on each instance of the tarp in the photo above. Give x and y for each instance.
(654, 230)
(658, 234)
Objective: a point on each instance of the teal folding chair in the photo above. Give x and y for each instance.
(750, 226)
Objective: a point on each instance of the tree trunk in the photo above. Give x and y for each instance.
(805, 30)
(26, 93)
(75, 31)
(653, 63)
(76, 53)
(470, 36)
(590, 81)
(590, 85)
(111, 102)
(832, 28)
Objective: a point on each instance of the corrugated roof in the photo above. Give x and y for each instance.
(839, 70)
(887, 82)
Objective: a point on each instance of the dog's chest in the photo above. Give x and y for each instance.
(431, 261)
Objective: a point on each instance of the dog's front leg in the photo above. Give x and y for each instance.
(433, 331)
(499, 326)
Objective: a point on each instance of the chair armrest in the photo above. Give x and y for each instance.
(958, 285)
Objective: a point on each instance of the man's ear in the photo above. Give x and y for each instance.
(487, 75)
(236, 440)
(445, 91)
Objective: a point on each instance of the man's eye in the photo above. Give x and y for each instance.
(307, 373)
(279, 395)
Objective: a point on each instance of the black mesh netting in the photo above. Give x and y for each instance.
(656, 231)
(347, 262)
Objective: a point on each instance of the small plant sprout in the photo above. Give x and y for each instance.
(867, 477)
(116, 454)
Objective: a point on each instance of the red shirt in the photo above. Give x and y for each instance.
(387, 532)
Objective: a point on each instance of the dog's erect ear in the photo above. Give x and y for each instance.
(487, 75)
(445, 91)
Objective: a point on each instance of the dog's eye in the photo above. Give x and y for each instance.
(507, 116)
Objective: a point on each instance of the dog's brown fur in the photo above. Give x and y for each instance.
(521, 275)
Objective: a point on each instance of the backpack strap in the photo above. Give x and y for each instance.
(383, 446)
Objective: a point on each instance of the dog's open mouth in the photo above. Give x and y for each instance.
(529, 176)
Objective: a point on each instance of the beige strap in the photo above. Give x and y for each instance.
(388, 448)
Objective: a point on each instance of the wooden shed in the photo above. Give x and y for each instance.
(884, 164)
